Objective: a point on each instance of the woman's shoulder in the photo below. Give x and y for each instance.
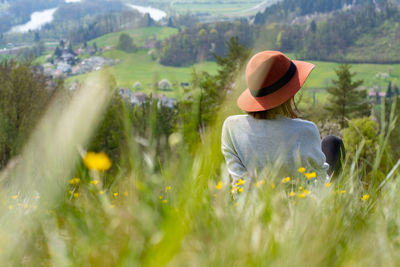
(236, 119)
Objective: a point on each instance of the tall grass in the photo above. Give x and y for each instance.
(179, 216)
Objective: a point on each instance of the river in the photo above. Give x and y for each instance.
(40, 18)
(155, 14)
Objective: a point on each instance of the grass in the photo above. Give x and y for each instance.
(140, 67)
(182, 215)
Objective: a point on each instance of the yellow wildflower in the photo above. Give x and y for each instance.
(301, 195)
(365, 197)
(70, 192)
(112, 206)
(260, 183)
(126, 193)
(310, 175)
(236, 204)
(233, 190)
(10, 207)
(14, 196)
(164, 201)
(240, 190)
(168, 188)
(101, 192)
(300, 188)
(292, 194)
(286, 180)
(306, 192)
(74, 181)
(97, 161)
(341, 192)
(76, 195)
(301, 170)
(328, 185)
(161, 197)
(273, 186)
(115, 194)
(240, 182)
(95, 182)
(219, 185)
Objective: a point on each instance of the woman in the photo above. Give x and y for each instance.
(271, 135)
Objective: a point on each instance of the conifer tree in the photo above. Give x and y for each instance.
(346, 100)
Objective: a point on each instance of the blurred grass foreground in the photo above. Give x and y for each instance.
(168, 202)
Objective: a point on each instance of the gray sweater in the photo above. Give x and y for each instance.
(251, 146)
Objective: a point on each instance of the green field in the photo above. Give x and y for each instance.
(140, 67)
(226, 8)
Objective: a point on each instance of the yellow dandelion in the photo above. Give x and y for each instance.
(76, 195)
(115, 194)
(161, 197)
(301, 170)
(126, 193)
(164, 201)
(240, 190)
(70, 192)
(214, 195)
(292, 194)
(112, 206)
(301, 195)
(306, 192)
(219, 185)
(260, 183)
(168, 188)
(233, 190)
(74, 181)
(101, 192)
(14, 196)
(273, 186)
(37, 197)
(300, 188)
(310, 175)
(286, 180)
(240, 182)
(327, 185)
(10, 207)
(236, 204)
(95, 182)
(97, 161)
(365, 197)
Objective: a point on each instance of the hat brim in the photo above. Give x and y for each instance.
(249, 103)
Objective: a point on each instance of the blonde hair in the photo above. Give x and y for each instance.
(287, 109)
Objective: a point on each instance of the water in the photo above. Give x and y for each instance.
(38, 19)
(155, 14)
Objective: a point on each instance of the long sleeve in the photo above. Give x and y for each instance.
(235, 166)
(316, 159)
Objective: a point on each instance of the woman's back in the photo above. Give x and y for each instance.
(249, 145)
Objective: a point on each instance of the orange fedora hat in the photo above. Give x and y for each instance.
(272, 79)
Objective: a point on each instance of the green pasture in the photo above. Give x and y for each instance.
(140, 67)
(139, 36)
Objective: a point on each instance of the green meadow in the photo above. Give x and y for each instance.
(140, 67)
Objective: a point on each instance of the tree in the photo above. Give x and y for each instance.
(25, 93)
(57, 52)
(346, 100)
(125, 43)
